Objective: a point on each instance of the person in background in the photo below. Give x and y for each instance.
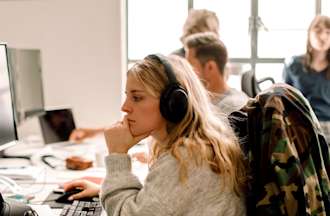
(208, 56)
(310, 73)
(80, 134)
(197, 165)
(198, 20)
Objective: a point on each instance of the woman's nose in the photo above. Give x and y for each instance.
(126, 107)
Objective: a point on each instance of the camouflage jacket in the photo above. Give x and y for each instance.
(288, 156)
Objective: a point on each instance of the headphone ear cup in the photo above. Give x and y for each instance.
(174, 103)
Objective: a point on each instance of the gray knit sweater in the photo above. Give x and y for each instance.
(163, 193)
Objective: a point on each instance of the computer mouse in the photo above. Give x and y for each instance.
(64, 198)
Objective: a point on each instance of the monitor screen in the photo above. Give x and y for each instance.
(57, 125)
(8, 134)
(25, 66)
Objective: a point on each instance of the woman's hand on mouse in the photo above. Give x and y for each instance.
(89, 189)
(119, 138)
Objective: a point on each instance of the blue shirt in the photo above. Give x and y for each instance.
(313, 85)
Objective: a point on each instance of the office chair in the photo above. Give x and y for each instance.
(250, 85)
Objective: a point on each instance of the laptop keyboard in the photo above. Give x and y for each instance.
(77, 208)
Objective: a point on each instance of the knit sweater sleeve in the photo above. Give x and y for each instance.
(122, 194)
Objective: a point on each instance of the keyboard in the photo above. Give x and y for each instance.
(77, 208)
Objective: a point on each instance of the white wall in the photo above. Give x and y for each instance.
(82, 43)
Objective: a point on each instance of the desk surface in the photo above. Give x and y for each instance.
(49, 178)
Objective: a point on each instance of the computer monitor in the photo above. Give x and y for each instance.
(8, 133)
(57, 125)
(25, 66)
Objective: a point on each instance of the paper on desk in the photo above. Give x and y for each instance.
(43, 210)
(21, 173)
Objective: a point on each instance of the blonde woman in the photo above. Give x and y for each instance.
(197, 165)
(198, 20)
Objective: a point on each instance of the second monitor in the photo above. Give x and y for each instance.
(25, 67)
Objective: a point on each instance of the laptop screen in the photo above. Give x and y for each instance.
(57, 125)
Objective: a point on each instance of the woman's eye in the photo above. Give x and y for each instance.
(137, 98)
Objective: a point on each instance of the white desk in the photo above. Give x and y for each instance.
(49, 178)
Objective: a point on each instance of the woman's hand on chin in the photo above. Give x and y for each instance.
(119, 139)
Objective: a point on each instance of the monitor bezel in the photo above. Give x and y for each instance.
(13, 142)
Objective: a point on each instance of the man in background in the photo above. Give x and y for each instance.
(208, 56)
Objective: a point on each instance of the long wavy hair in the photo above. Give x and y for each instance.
(206, 136)
(308, 59)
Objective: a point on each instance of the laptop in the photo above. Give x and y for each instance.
(56, 125)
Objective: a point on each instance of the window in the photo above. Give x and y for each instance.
(269, 70)
(259, 34)
(281, 33)
(326, 7)
(154, 26)
(234, 24)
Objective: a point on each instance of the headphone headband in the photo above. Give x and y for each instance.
(167, 67)
(174, 98)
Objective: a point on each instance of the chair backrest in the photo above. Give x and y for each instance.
(288, 156)
(250, 85)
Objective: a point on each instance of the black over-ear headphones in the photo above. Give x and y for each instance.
(174, 98)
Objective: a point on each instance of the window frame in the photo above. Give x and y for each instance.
(253, 22)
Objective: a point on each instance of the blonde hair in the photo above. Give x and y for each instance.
(207, 138)
(200, 21)
(308, 58)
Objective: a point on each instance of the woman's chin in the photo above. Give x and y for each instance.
(136, 133)
(139, 133)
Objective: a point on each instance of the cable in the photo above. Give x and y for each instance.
(18, 190)
(11, 184)
(45, 161)
(54, 163)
